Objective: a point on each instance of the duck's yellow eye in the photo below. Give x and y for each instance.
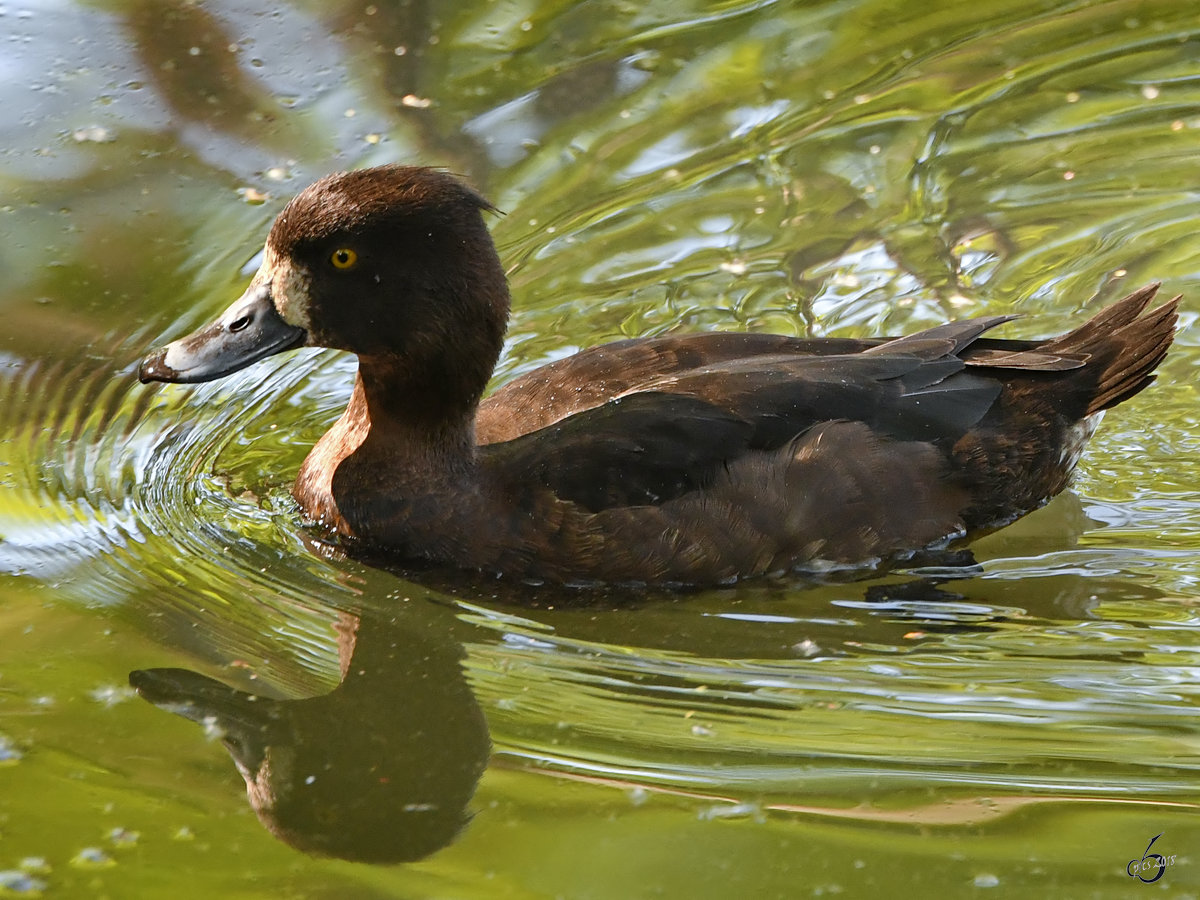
(343, 258)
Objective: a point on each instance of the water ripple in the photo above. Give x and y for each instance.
(119, 491)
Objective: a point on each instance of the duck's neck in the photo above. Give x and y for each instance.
(419, 418)
(402, 435)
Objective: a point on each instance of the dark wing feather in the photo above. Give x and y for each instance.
(643, 449)
(594, 376)
(903, 396)
(950, 338)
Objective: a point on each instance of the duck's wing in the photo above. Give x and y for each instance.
(594, 376)
(652, 445)
(911, 388)
(642, 449)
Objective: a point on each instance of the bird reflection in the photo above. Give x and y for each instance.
(381, 770)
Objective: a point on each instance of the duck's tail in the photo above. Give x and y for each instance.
(1120, 346)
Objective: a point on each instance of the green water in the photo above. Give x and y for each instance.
(840, 168)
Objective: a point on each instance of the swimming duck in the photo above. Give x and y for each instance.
(685, 459)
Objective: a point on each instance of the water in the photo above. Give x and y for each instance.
(843, 168)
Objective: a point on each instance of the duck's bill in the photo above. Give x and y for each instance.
(248, 331)
(191, 695)
(242, 721)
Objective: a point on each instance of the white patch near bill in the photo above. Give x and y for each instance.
(289, 287)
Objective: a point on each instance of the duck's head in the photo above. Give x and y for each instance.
(391, 263)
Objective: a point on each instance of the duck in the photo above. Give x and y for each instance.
(682, 459)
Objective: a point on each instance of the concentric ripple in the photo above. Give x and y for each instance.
(169, 498)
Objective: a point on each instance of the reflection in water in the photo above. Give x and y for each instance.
(194, 58)
(380, 770)
(383, 768)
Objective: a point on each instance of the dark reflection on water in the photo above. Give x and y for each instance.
(381, 769)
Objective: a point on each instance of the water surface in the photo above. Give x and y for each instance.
(839, 168)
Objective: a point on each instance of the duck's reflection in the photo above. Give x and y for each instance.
(382, 769)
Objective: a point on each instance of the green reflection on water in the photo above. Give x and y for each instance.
(832, 168)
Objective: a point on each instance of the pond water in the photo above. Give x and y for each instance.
(1026, 727)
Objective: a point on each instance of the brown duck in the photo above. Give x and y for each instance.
(690, 459)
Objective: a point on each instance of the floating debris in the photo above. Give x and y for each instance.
(92, 858)
(254, 196)
(111, 695)
(123, 837)
(733, 811)
(93, 134)
(13, 881)
(807, 648)
(9, 755)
